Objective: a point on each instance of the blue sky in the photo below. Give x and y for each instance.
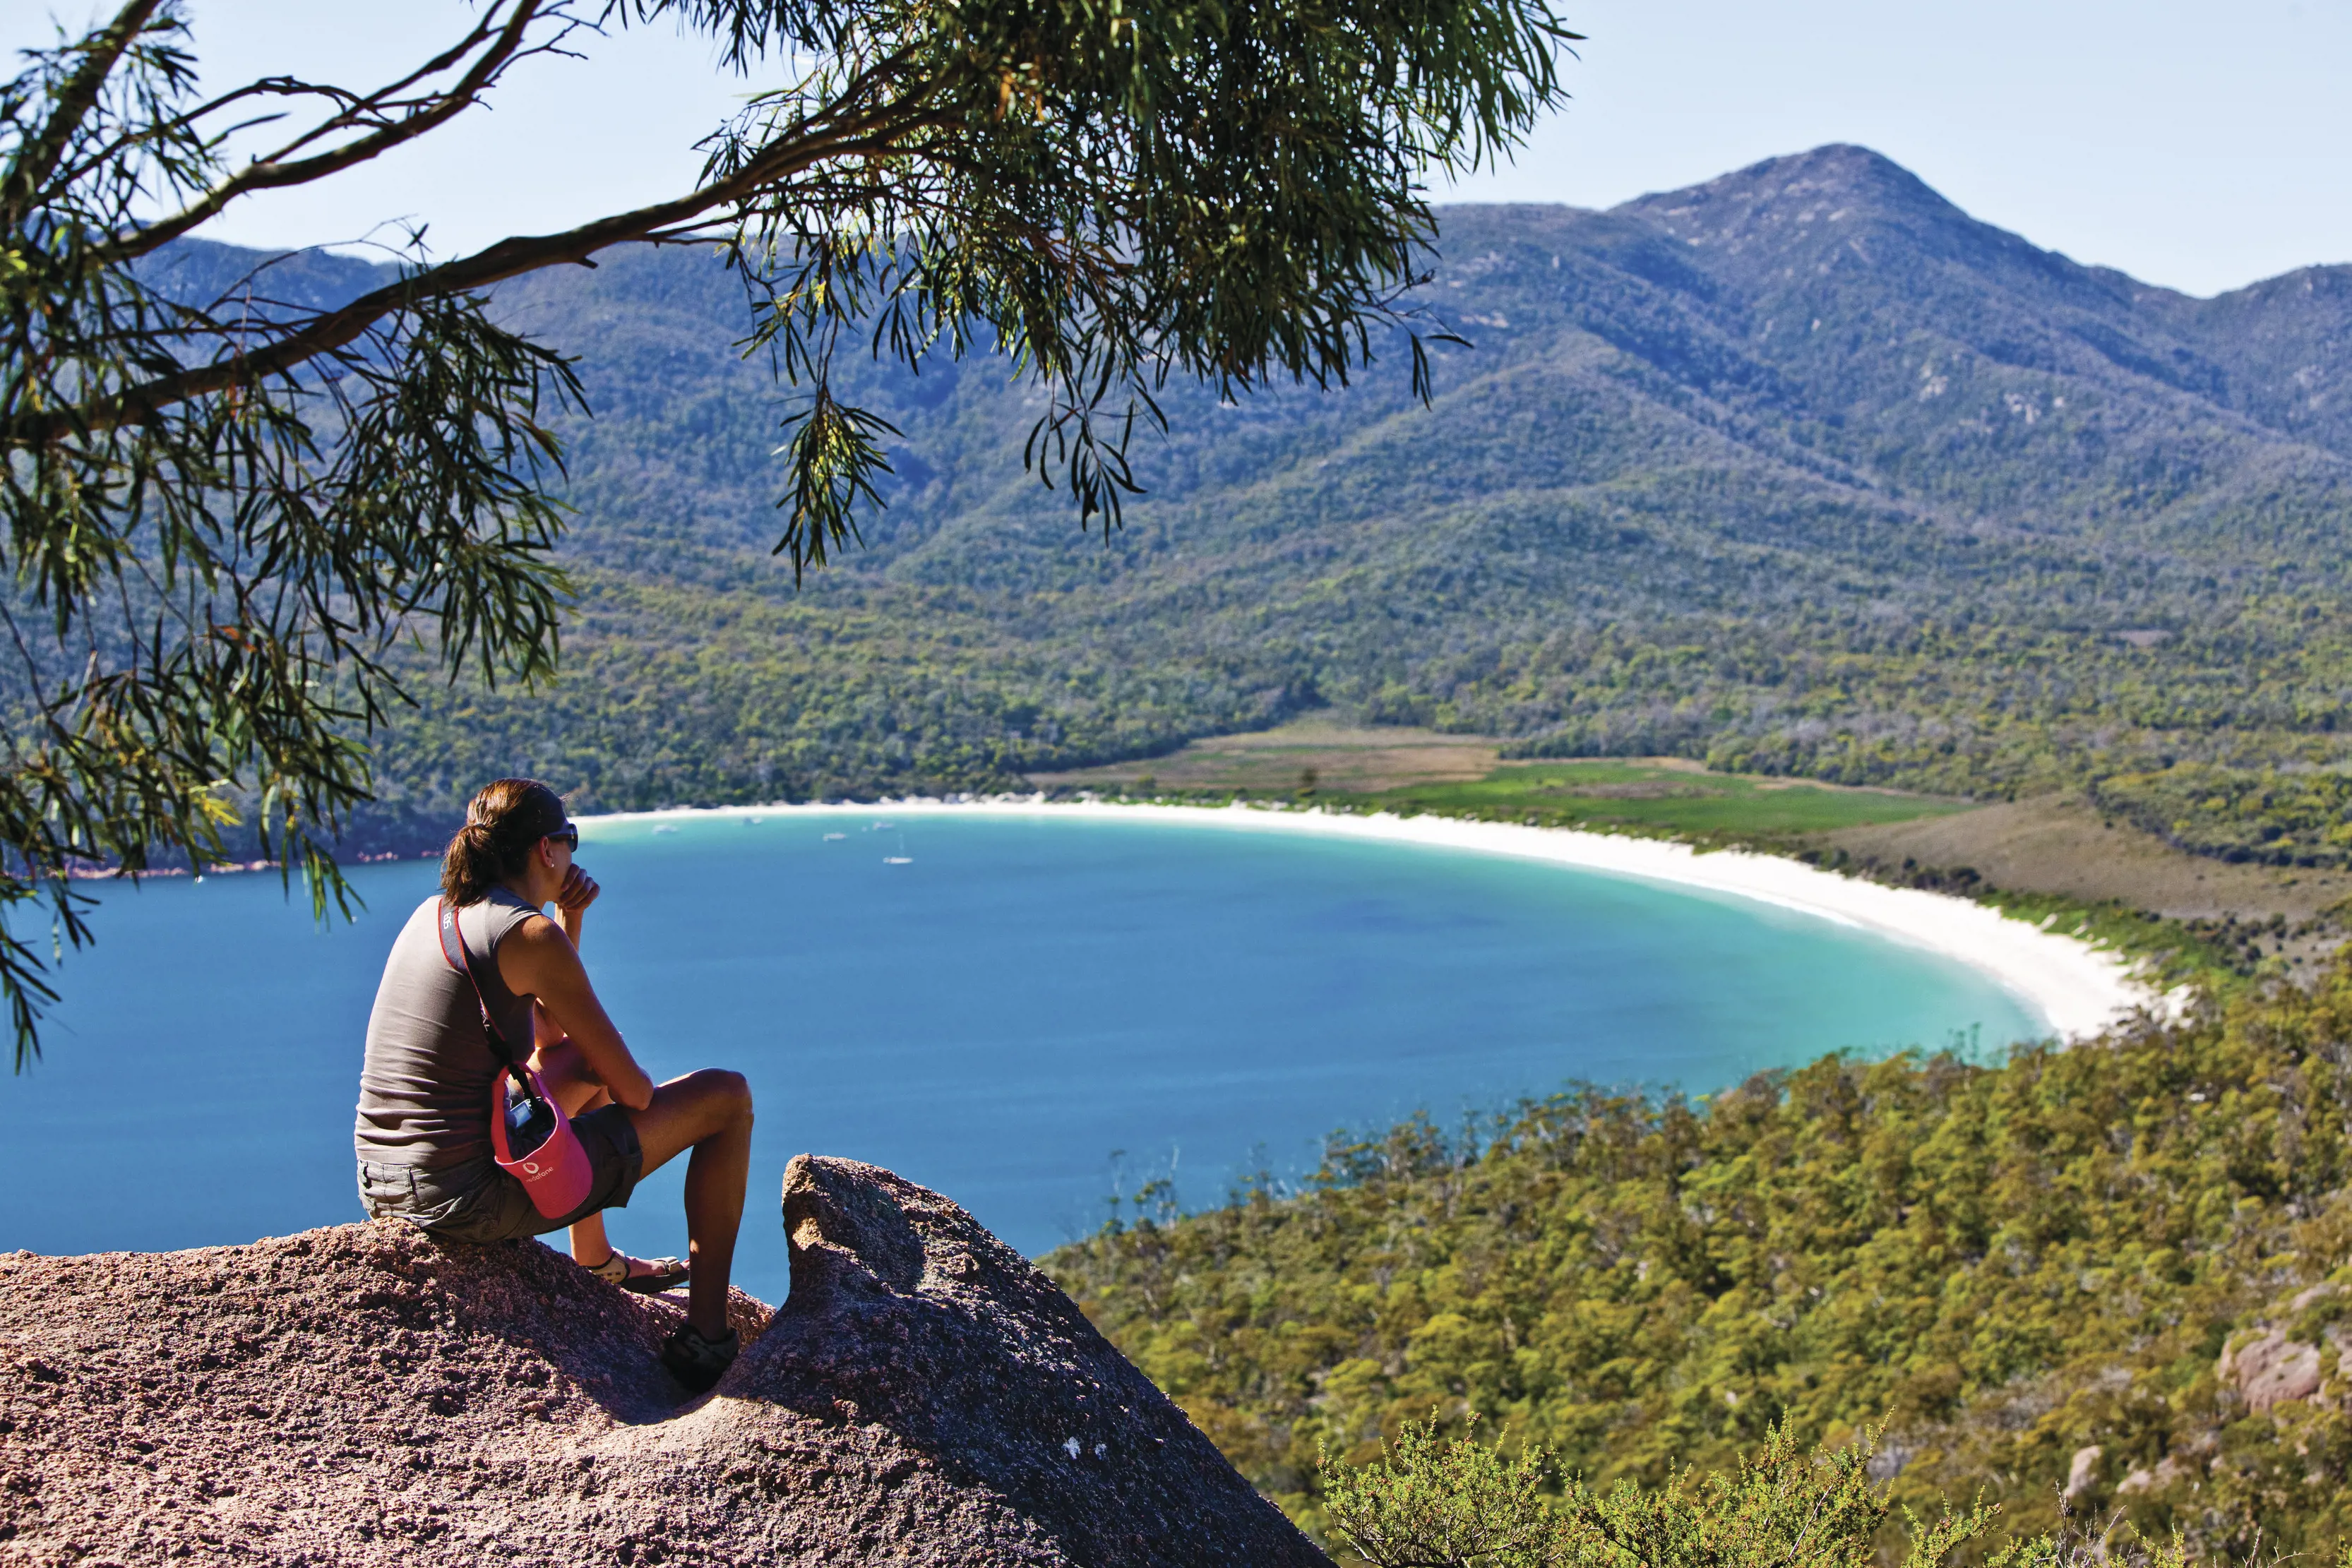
(2200, 148)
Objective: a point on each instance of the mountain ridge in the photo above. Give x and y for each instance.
(1892, 479)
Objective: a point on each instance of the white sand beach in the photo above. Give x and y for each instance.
(2077, 989)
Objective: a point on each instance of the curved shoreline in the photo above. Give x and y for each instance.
(2075, 988)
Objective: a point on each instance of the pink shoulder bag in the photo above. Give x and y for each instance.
(554, 1169)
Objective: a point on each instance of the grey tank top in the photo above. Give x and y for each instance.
(425, 1087)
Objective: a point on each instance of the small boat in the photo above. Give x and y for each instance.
(834, 837)
(753, 821)
(882, 827)
(898, 859)
(665, 828)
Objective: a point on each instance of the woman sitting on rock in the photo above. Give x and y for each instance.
(423, 1134)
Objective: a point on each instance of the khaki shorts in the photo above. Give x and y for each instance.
(480, 1202)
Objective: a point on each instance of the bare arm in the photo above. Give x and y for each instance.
(539, 961)
(578, 891)
(571, 904)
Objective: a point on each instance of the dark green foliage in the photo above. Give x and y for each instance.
(2008, 1264)
(672, 696)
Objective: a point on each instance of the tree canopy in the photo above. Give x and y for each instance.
(226, 516)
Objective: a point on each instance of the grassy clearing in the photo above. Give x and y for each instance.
(1653, 798)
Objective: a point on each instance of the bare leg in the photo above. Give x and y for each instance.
(590, 1246)
(708, 1111)
(561, 1068)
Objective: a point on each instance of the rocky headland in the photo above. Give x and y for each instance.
(364, 1395)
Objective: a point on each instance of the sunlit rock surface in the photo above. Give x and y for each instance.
(364, 1394)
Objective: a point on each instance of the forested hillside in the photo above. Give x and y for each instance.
(1802, 470)
(2105, 1280)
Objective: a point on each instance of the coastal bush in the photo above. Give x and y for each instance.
(677, 695)
(1433, 1503)
(2297, 817)
(2041, 1273)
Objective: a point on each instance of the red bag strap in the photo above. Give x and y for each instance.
(461, 958)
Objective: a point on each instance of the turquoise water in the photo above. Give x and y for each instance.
(992, 1018)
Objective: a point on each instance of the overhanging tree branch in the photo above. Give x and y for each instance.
(244, 522)
(874, 134)
(501, 45)
(37, 158)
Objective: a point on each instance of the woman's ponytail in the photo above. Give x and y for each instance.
(505, 818)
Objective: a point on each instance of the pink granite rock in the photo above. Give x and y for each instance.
(2272, 1369)
(364, 1395)
(2081, 1472)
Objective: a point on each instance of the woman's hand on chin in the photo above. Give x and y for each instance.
(572, 899)
(578, 892)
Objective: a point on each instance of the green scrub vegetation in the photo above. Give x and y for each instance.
(1432, 1502)
(2290, 815)
(2008, 1263)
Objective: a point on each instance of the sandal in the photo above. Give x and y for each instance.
(658, 1274)
(695, 1362)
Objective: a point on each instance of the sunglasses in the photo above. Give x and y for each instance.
(568, 836)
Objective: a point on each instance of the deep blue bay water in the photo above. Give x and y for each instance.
(992, 1018)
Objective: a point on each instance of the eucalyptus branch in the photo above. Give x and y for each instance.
(337, 328)
(245, 522)
(38, 157)
(500, 49)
